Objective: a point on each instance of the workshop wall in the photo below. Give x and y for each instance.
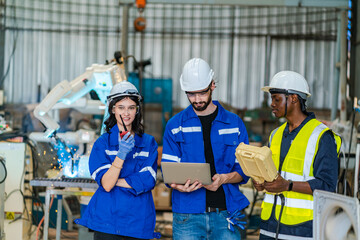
(49, 41)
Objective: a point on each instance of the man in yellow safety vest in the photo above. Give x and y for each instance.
(305, 153)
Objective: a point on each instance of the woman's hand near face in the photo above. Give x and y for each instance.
(126, 144)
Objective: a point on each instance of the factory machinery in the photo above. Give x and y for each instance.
(98, 78)
(64, 182)
(73, 147)
(337, 216)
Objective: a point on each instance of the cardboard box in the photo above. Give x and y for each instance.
(162, 196)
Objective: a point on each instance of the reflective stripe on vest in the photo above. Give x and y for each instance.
(283, 236)
(297, 166)
(294, 203)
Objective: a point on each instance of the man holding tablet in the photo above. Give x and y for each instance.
(206, 133)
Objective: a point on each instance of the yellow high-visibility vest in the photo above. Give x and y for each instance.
(297, 166)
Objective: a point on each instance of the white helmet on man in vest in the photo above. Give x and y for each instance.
(196, 75)
(290, 83)
(123, 89)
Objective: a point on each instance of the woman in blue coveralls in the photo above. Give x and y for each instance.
(123, 161)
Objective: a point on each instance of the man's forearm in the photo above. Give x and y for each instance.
(233, 177)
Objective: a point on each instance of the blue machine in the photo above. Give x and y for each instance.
(67, 218)
(156, 90)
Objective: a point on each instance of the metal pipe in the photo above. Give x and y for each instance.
(343, 59)
(282, 3)
(231, 60)
(46, 214)
(335, 93)
(125, 34)
(267, 68)
(59, 216)
(339, 80)
(2, 205)
(356, 176)
(141, 67)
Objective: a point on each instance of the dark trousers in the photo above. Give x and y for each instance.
(107, 236)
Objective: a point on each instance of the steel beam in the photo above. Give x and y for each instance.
(2, 43)
(340, 69)
(356, 47)
(343, 61)
(125, 35)
(344, 4)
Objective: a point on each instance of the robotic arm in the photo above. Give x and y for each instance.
(99, 78)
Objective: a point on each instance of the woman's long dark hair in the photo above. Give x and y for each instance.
(136, 125)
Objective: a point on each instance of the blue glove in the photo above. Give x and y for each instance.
(233, 220)
(126, 144)
(157, 235)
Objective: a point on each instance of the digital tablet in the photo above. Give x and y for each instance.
(179, 173)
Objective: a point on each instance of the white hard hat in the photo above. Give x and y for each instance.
(196, 75)
(123, 89)
(291, 82)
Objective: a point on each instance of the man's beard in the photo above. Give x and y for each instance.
(201, 108)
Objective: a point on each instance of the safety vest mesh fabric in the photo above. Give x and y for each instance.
(297, 166)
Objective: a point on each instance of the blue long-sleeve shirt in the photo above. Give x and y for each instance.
(183, 142)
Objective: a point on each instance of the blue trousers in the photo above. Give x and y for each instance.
(212, 226)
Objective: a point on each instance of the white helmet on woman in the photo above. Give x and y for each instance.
(289, 81)
(196, 75)
(123, 89)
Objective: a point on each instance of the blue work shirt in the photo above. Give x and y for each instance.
(123, 211)
(183, 142)
(325, 173)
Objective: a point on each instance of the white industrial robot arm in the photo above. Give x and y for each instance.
(99, 78)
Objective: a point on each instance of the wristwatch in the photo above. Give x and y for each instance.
(290, 185)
